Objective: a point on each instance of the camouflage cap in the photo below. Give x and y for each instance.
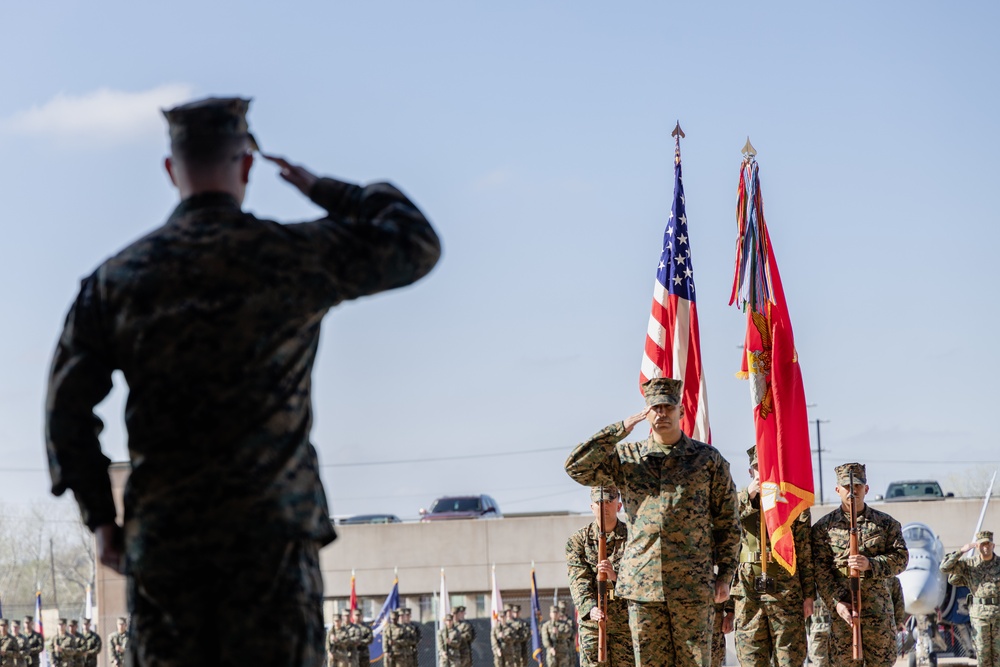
(508, 606)
(984, 536)
(515, 607)
(449, 617)
(660, 391)
(611, 493)
(844, 474)
(209, 120)
(29, 619)
(62, 621)
(405, 610)
(3, 622)
(395, 612)
(459, 609)
(561, 604)
(553, 609)
(752, 453)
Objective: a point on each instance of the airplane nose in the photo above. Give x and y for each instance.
(919, 591)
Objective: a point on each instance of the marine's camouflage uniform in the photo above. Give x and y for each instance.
(32, 645)
(568, 631)
(770, 628)
(557, 639)
(409, 640)
(819, 634)
(117, 643)
(392, 650)
(581, 563)
(362, 636)
(681, 508)
(401, 645)
(508, 644)
(468, 634)
(341, 647)
(9, 651)
(21, 660)
(90, 647)
(449, 646)
(63, 651)
(214, 319)
(880, 539)
(718, 636)
(983, 579)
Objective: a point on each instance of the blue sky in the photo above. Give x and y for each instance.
(536, 137)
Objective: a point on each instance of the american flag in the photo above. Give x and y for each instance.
(673, 348)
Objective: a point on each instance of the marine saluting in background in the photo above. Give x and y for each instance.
(681, 505)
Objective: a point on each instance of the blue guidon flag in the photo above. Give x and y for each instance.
(537, 651)
(375, 649)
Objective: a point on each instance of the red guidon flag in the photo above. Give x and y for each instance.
(354, 594)
(772, 366)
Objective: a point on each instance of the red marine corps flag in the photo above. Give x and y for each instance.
(673, 348)
(771, 364)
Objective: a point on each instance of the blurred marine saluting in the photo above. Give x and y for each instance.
(214, 320)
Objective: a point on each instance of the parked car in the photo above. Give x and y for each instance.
(462, 507)
(921, 489)
(369, 518)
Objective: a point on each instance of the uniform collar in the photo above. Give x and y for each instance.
(682, 447)
(205, 200)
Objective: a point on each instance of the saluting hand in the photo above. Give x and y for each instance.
(753, 488)
(297, 175)
(630, 422)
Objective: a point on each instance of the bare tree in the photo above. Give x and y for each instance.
(972, 482)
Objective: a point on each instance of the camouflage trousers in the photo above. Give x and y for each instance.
(770, 632)
(718, 637)
(558, 658)
(878, 639)
(210, 610)
(986, 635)
(672, 634)
(620, 653)
(819, 644)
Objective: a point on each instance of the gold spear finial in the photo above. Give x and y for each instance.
(748, 148)
(677, 131)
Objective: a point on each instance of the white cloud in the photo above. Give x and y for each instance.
(102, 116)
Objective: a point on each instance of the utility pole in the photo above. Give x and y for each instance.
(819, 452)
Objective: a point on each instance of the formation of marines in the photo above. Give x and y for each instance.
(348, 640)
(558, 638)
(21, 645)
(510, 639)
(400, 639)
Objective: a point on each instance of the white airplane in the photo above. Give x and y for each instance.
(930, 600)
(924, 585)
